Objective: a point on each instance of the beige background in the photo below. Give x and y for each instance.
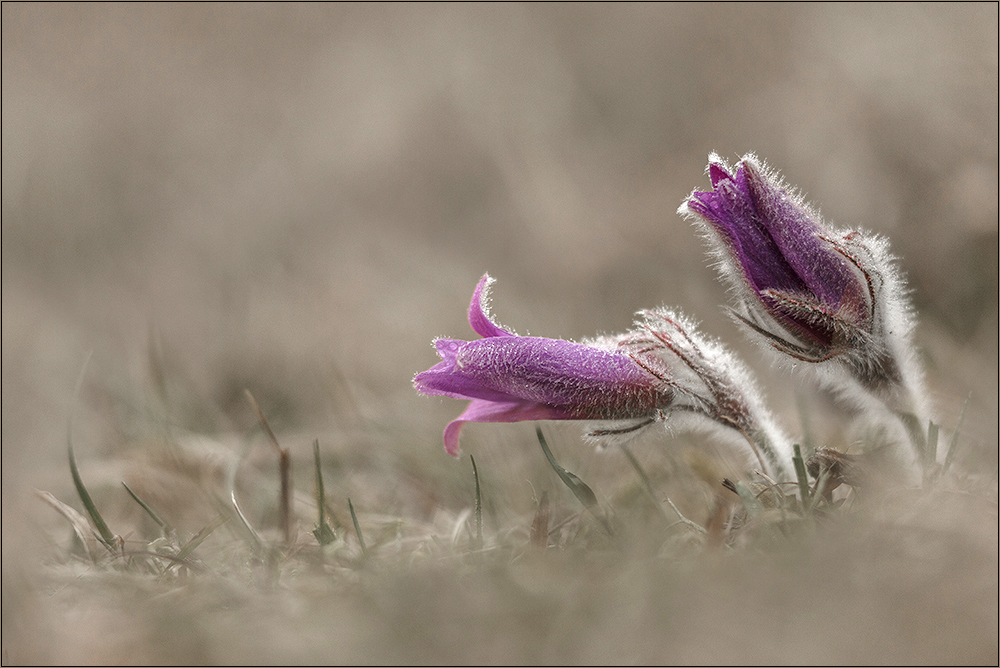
(297, 199)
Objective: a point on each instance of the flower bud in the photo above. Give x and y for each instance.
(814, 293)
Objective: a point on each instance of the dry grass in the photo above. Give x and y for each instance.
(887, 574)
(295, 201)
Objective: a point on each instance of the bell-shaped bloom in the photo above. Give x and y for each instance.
(661, 370)
(512, 378)
(812, 292)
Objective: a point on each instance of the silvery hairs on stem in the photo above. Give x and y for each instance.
(662, 371)
(713, 390)
(817, 294)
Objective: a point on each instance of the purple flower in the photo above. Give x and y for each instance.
(812, 292)
(512, 378)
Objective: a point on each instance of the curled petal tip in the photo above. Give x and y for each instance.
(451, 434)
(479, 317)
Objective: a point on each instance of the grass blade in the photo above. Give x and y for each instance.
(685, 521)
(169, 558)
(284, 468)
(256, 543)
(357, 527)
(478, 544)
(324, 534)
(164, 527)
(580, 489)
(818, 490)
(106, 536)
(320, 493)
(801, 475)
(200, 537)
(81, 527)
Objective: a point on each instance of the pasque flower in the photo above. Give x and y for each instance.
(512, 378)
(815, 293)
(662, 369)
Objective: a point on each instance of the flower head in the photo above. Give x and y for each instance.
(810, 291)
(512, 378)
(661, 369)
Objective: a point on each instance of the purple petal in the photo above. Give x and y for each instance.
(586, 381)
(446, 379)
(788, 259)
(761, 257)
(798, 237)
(478, 318)
(717, 173)
(775, 240)
(493, 411)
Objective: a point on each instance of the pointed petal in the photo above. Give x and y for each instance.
(493, 411)
(478, 316)
(717, 173)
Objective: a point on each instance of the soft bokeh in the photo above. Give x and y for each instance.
(298, 199)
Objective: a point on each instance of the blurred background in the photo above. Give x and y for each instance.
(298, 199)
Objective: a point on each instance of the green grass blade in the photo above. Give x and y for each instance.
(320, 493)
(166, 528)
(357, 527)
(478, 545)
(284, 470)
(324, 534)
(801, 475)
(107, 537)
(580, 489)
